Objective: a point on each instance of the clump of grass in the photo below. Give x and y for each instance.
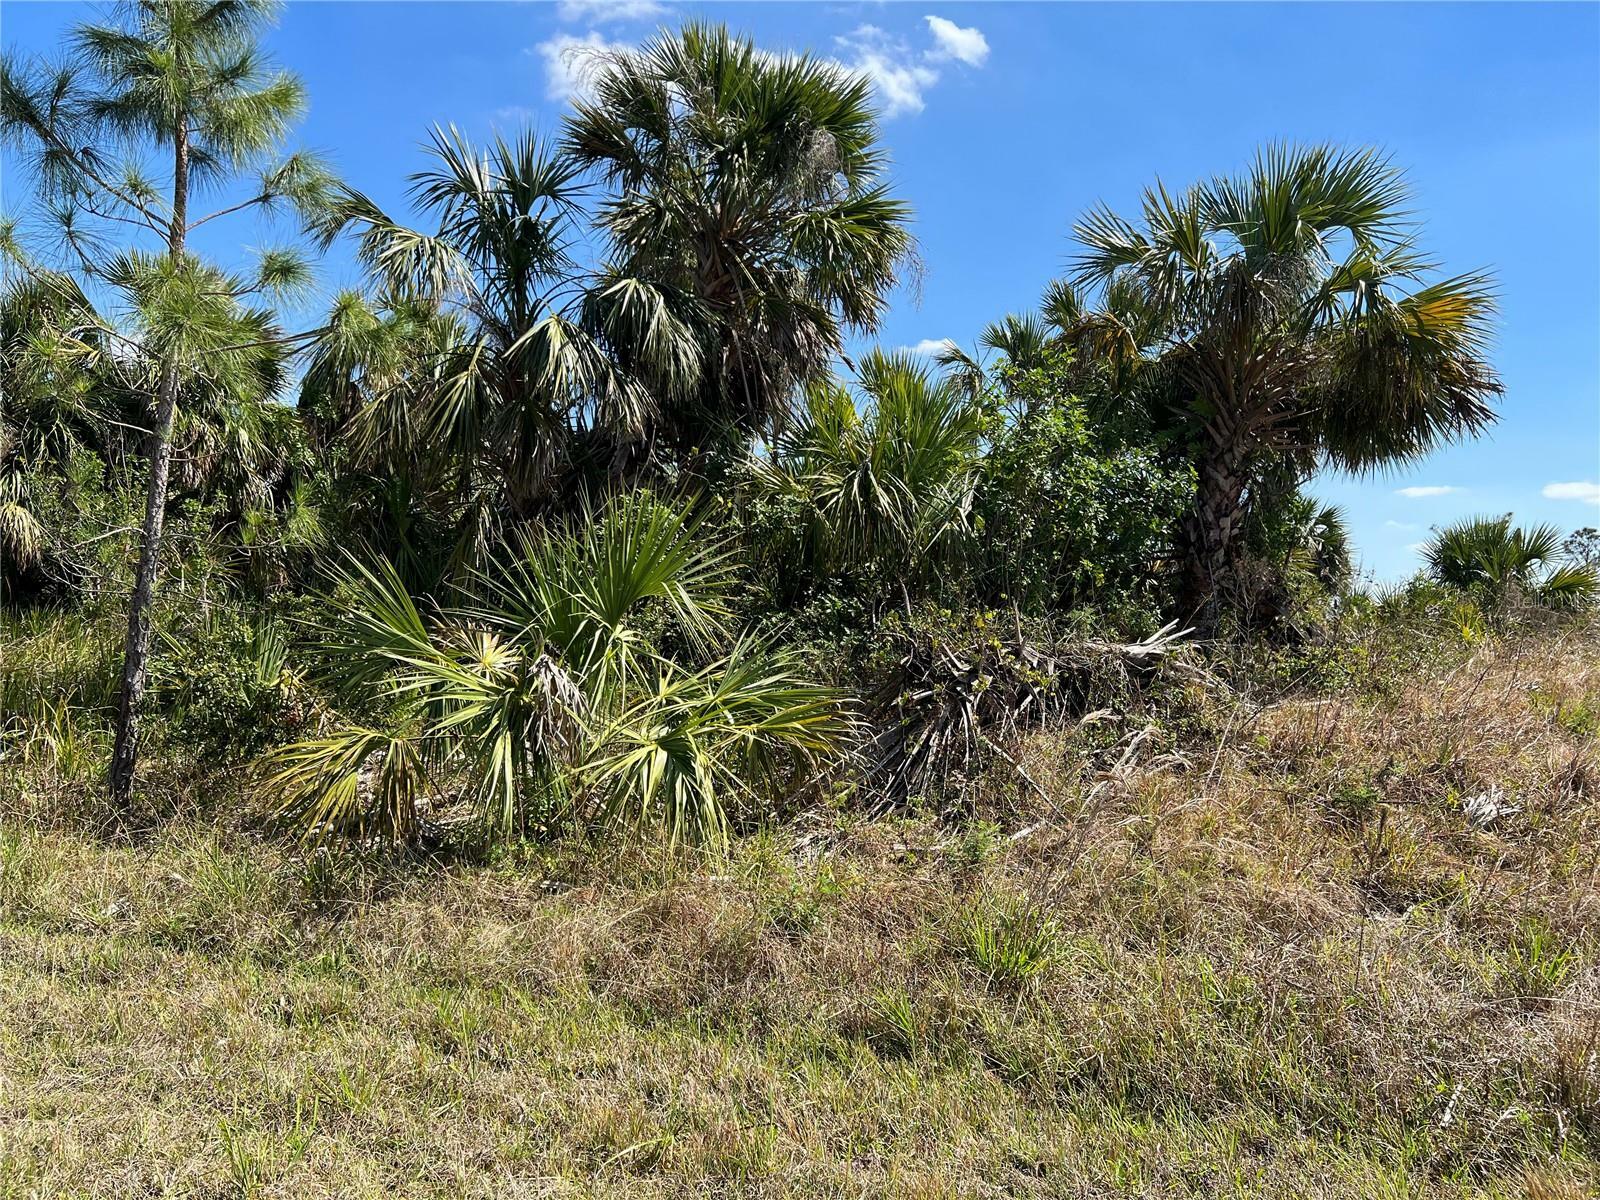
(894, 1025)
(1536, 965)
(1011, 941)
(1580, 717)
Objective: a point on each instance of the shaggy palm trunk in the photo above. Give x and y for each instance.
(136, 653)
(1211, 531)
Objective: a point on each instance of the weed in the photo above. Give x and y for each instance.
(246, 1158)
(894, 1026)
(1536, 965)
(1012, 942)
(1582, 718)
(979, 842)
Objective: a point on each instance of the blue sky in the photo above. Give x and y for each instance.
(1006, 121)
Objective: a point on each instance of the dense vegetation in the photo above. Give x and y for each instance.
(942, 767)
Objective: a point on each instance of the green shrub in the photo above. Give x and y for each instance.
(874, 486)
(223, 684)
(53, 658)
(1071, 511)
(541, 696)
(1497, 562)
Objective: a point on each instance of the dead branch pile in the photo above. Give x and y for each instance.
(955, 703)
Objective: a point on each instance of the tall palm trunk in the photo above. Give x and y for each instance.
(1211, 531)
(136, 654)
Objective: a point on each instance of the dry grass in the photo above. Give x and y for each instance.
(1275, 961)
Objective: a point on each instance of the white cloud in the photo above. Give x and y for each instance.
(889, 63)
(1406, 525)
(513, 114)
(902, 75)
(1417, 493)
(928, 347)
(968, 45)
(1589, 493)
(570, 62)
(603, 11)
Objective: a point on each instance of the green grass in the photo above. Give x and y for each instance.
(1208, 980)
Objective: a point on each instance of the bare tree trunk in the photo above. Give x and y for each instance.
(136, 653)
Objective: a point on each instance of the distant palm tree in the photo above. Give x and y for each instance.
(62, 388)
(1496, 559)
(1319, 540)
(1024, 340)
(77, 406)
(1285, 315)
(52, 372)
(749, 188)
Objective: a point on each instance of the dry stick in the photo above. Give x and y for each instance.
(1222, 744)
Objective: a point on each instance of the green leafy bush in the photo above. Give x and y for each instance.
(223, 682)
(538, 693)
(1498, 562)
(875, 486)
(1075, 511)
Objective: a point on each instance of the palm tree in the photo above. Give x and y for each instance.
(1025, 340)
(884, 479)
(1285, 316)
(747, 187)
(54, 375)
(1323, 542)
(77, 392)
(488, 365)
(185, 80)
(540, 695)
(62, 387)
(1497, 560)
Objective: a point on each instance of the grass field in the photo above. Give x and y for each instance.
(1281, 959)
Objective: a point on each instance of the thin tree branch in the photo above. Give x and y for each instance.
(105, 216)
(263, 198)
(277, 341)
(53, 139)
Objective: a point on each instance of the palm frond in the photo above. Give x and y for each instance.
(355, 782)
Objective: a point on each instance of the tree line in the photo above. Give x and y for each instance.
(571, 489)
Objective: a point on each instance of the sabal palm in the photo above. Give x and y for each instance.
(1321, 542)
(62, 388)
(1282, 315)
(885, 478)
(79, 380)
(749, 188)
(22, 533)
(490, 360)
(540, 691)
(51, 365)
(1496, 559)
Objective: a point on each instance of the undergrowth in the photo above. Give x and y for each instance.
(1268, 946)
